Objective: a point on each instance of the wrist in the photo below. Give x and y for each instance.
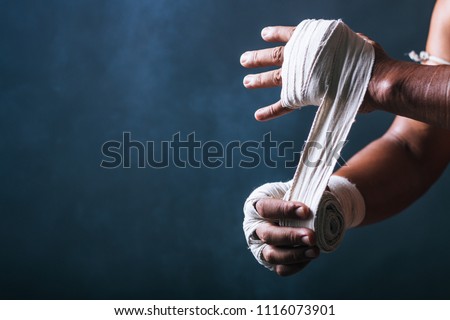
(389, 84)
(384, 79)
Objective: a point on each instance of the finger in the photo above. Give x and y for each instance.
(277, 33)
(285, 236)
(280, 209)
(267, 79)
(287, 256)
(271, 112)
(287, 270)
(263, 58)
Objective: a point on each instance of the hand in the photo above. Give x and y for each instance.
(379, 89)
(285, 250)
(272, 57)
(288, 249)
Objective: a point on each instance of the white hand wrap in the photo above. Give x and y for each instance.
(325, 64)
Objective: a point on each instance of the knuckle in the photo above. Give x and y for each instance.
(276, 77)
(288, 207)
(277, 55)
(258, 80)
(270, 255)
(293, 238)
(272, 111)
(255, 58)
(264, 235)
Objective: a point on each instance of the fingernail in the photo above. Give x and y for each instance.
(300, 212)
(259, 115)
(248, 80)
(244, 57)
(265, 32)
(310, 253)
(309, 240)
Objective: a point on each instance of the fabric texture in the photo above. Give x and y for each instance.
(325, 64)
(351, 201)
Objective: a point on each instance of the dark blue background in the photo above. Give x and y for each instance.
(75, 74)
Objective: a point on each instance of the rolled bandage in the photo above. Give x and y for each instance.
(341, 207)
(338, 210)
(325, 64)
(350, 199)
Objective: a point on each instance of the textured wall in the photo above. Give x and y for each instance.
(74, 74)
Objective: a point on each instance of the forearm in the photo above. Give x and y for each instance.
(420, 92)
(395, 170)
(415, 91)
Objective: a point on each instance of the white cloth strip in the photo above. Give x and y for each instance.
(424, 56)
(325, 64)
